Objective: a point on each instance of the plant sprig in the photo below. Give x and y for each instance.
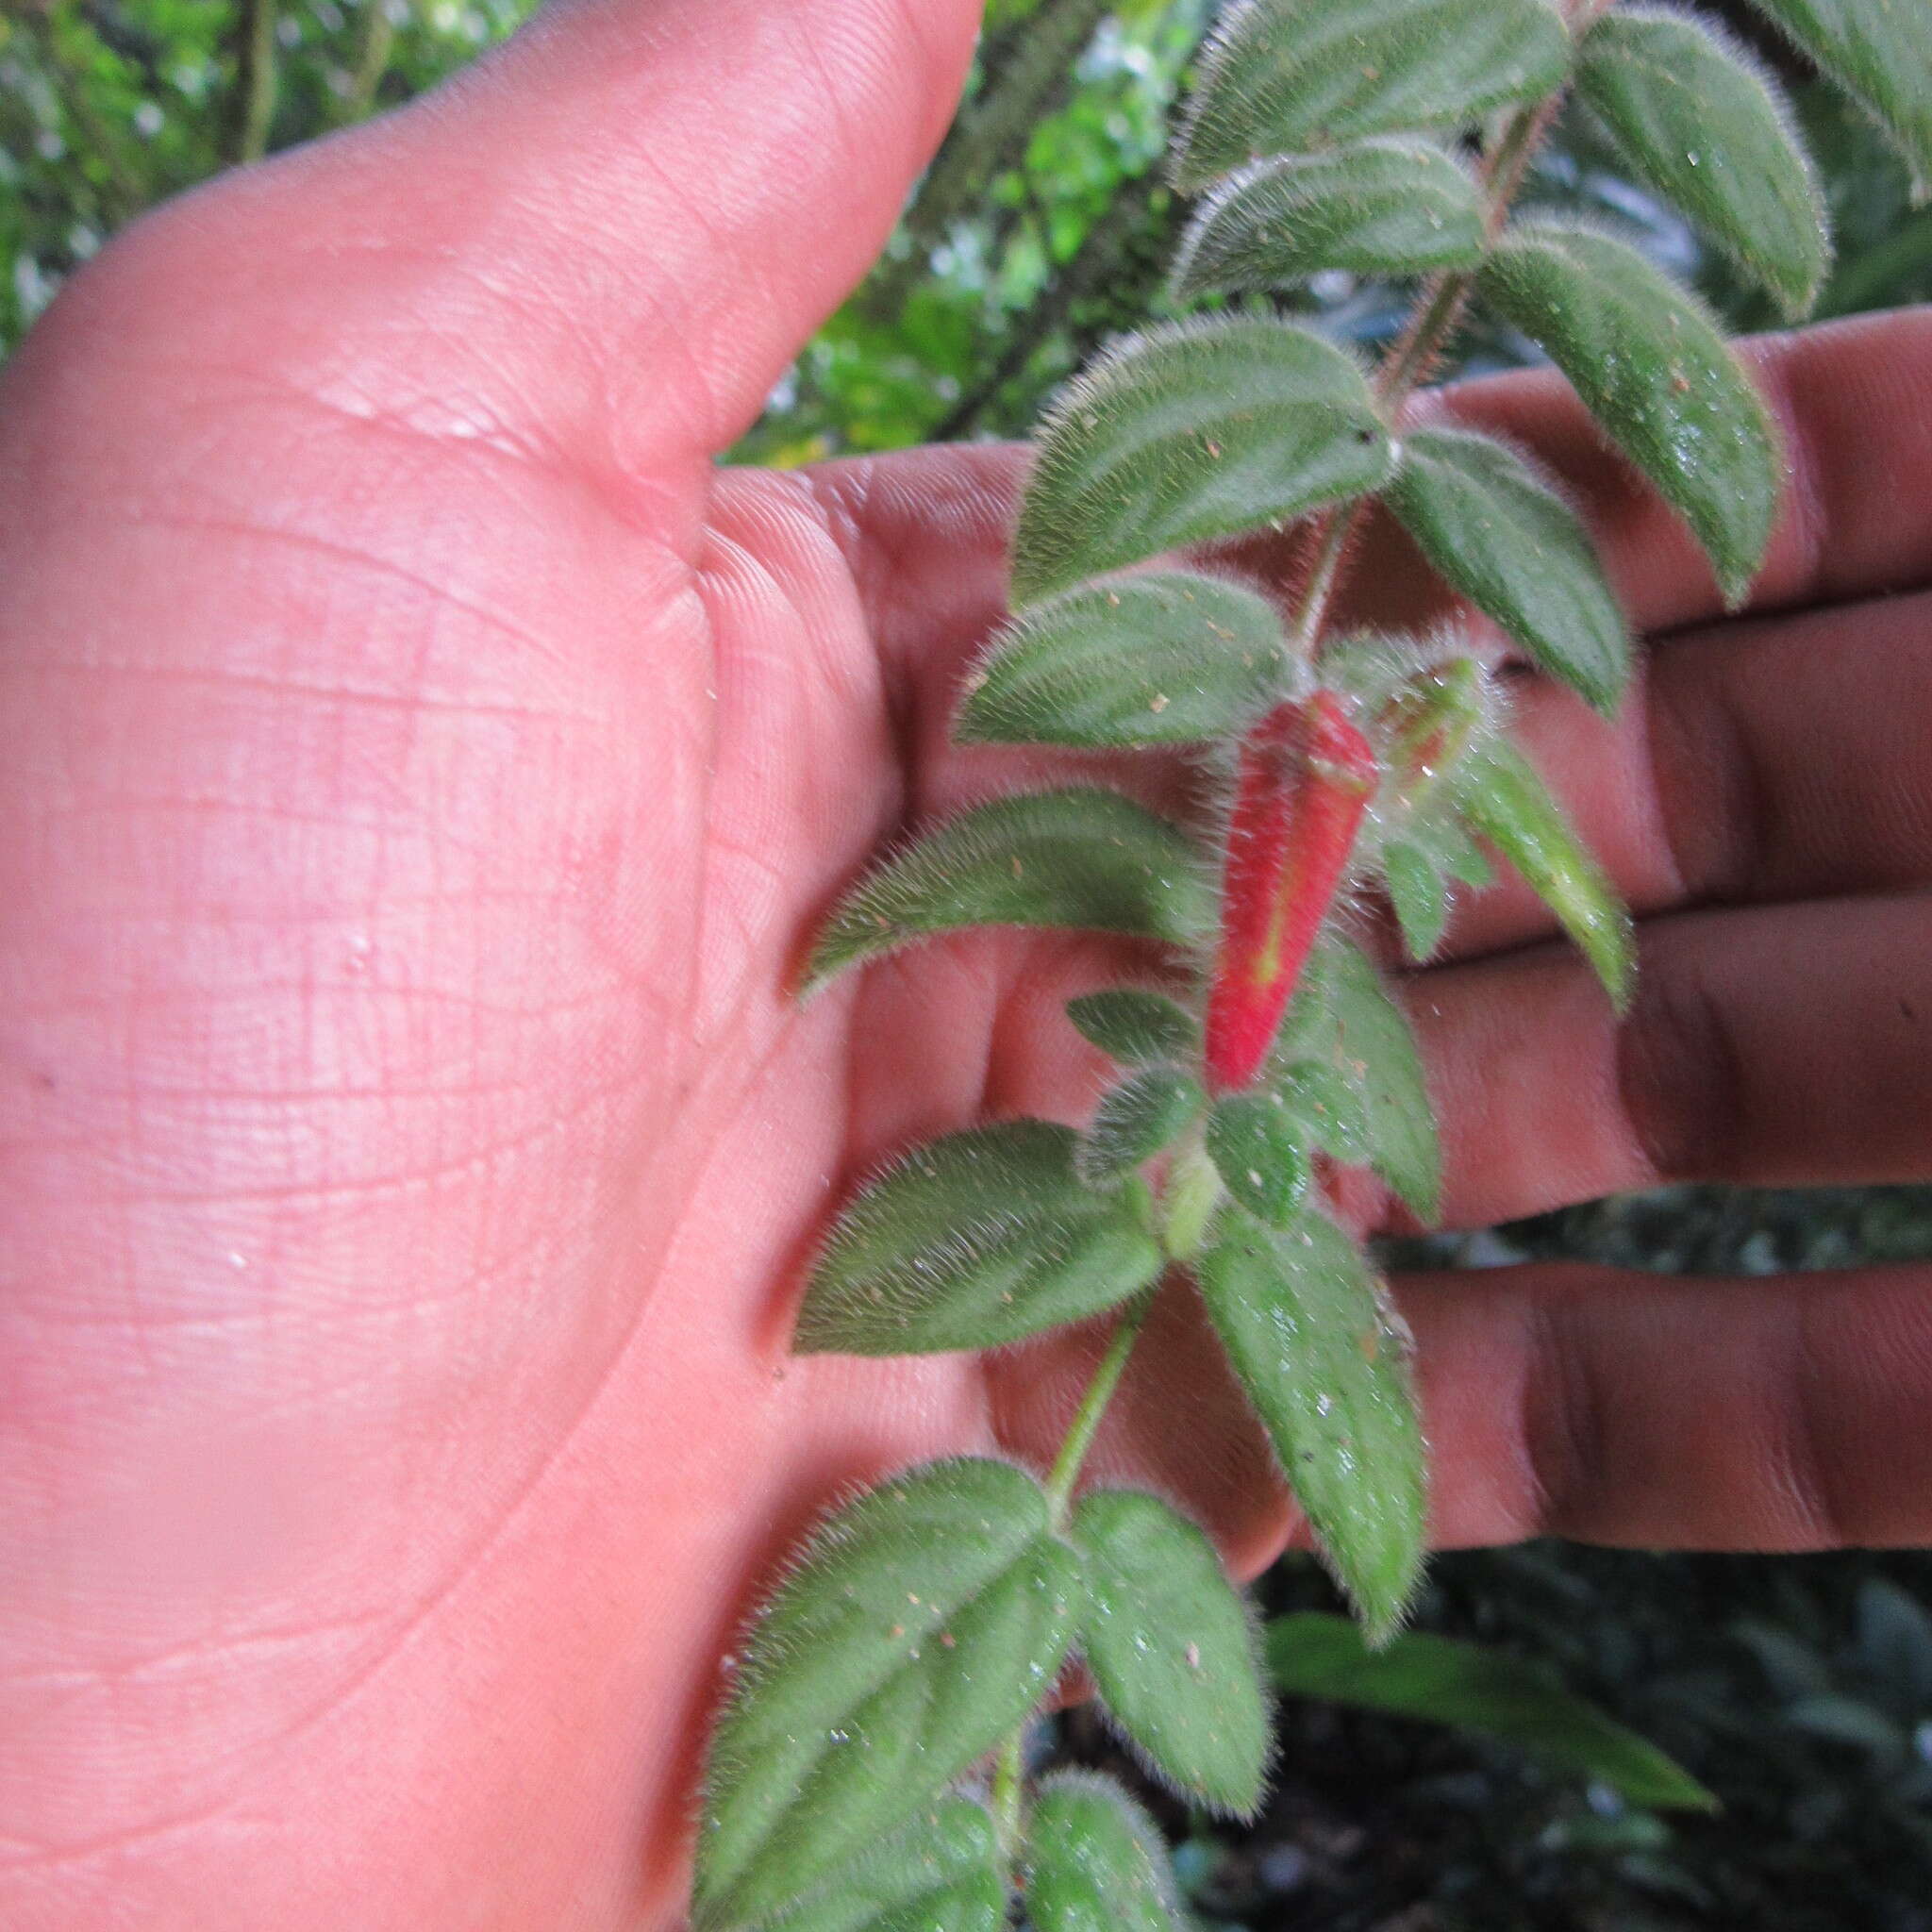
(867, 1775)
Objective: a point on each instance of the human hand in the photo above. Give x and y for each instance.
(426, 768)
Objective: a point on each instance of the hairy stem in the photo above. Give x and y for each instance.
(1092, 1409)
(1009, 1776)
(1192, 1190)
(1187, 1206)
(1411, 359)
(1008, 1815)
(1187, 1200)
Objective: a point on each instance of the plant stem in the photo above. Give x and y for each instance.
(1188, 1200)
(1009, 1776)
(1331, 538)
(1087, 1418)
(1025, 71)
(1009, 1817)
(372, 60)
(252, 100)
(1411, 359)
(1409, 356)
(1192, 1188)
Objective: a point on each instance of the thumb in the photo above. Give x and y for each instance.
(636, 211)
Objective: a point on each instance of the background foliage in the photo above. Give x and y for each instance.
(1800, 1690)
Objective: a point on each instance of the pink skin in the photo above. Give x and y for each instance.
(423, 769)
(1307, 776)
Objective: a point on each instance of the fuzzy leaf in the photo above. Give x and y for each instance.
(1147, 1111)
(1516, 550)
(1194, 430)
(1425, 857)
(1321, 1092)
(1377, 1046)
(1172, 1649)
(1080, 859)
(1453, 850)
(1881, 52)
(1165, 658)
(1260, 1149)
(1649, 362)
(1097, 1862)
(1287, 75)
(1377, 208)
(1324, 1363)
(940, 1873)
(1136, 1026)
(1309, 1026)
(922, 1623)
(1420, 894)
(1509, 805)
(1475, 1688)
(1705, 125)
(1331, 1106)
(973, 1241)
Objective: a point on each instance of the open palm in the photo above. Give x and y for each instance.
(424, 767)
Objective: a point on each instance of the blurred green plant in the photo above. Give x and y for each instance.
(108, 106)
(1443, 1680)
(1791, 1686)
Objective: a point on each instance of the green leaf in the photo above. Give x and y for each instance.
(1509, 805)
(1150, 1110)
(1080, 859)
(1420, 894)
(1195, 430)
(1260, 1149)
(1895, 1640)
(1794, 1668)
(940, 1873)
(1475, 1688)
(1377, 208)
(1172, 1649)
(1308, 1028)
(1699, 121)
(1165, 658)
(1328, 1104)
(1453, 850)
(1378, 1047)
(922, 1623)
(1322, 1094)
(1097, 1862)
(1324, 1363)
(1880, 53)
(978, 1240)
(1135, 1025)
(1849, 1720)
(1651, 367)
(1515, 549)
(1287, 76)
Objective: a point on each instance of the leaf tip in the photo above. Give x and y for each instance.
(824, 961)
(1734, 581)
(976, 721)
(1615, 959)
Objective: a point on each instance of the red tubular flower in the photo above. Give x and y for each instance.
(1307, 776)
